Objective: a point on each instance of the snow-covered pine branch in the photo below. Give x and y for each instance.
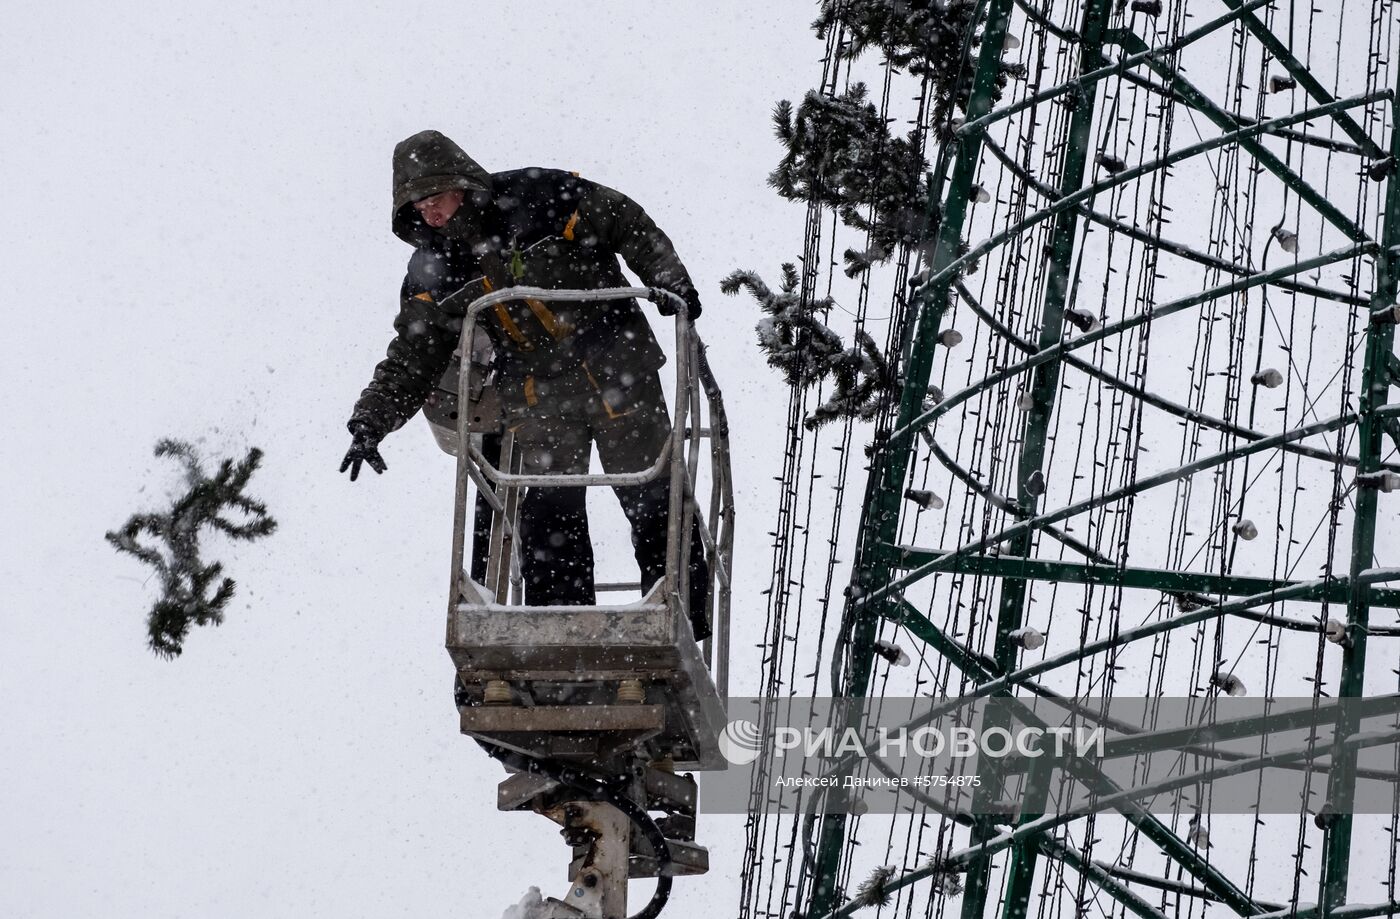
(192, 592)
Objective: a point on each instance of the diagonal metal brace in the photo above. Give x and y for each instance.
(1198, 100)
(1305, 79)
(1151, 827)
(1101, 878)
(1230, 585)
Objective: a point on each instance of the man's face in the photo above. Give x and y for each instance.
(438, 209)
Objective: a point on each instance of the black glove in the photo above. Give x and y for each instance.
(363, 449)
(666, 306)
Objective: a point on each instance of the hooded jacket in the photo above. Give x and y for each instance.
(528, 227)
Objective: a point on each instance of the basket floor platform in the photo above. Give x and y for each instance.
(565, 667)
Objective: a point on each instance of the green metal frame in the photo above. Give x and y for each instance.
(880, 517)
(882, 568)
(1126, 803)
(1300, 72)
(1377, 376)
(1011, 565)
(1034, 433)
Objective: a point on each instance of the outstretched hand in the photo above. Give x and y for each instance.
(363, 449)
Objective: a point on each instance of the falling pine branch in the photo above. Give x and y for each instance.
(192, 593)
(865, 384)
(797, 342)
(945, 879)
(929, 39)
(874, 890)
(840, 153)
(858, 262)
(791, 335)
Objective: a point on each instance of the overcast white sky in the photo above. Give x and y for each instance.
(196, 242)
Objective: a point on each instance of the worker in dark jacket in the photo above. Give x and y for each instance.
(569, 375)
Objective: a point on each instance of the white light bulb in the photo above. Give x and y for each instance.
(1287, 239)
(1228, 683)
(1111, 163)
(925, 499)
(1382, 481)
(1386, 315)
(1336, 631)
(1028, 638)
(1083, 320)
(891, 652)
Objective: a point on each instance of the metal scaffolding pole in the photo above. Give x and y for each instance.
(882, 567)
(880, 519)
(1376, 379)
(1078, 142)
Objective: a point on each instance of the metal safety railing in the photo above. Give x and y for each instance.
(696, 393)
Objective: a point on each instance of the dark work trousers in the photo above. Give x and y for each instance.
(481, 527)
(556, 421)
